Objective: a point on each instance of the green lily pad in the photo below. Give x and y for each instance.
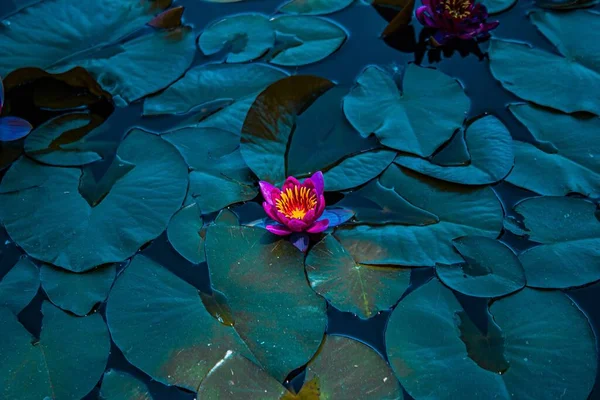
(461, 211)
(262, 277)
(402, 119)
(181, 341)
(118, 385)
(19, 286)
(491, 157)
(498, 6)
(314, 7)
(515, 65)
(246, 37)
(490, 269)
(565, 159)
(569, 235)
(77, 293)
(185, 234)
(44, 213)
(350, 286)
(65, 363)
(314, 39)
(437, 351)
(218, 174)
(95, 42)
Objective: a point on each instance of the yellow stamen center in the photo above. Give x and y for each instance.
(296, 202)
(457, 9)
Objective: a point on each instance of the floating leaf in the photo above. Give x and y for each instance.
(569, 236)
(66, 362)
(355, 171)
(565, 159)
(403, 119)
(77, 293)
(278, 301)
(515, 65)
(491, 156)
(316, 39)
(218, 174)
(185, 234)
(314, 7)
(461, 211)
(45, 214)
(437, 351)
(565, 4)
(118, 385)
(246, 37)
(490, 268)
(216, 304)
(168, 19)
(19, 286)
(227, 217)
(350, 286)
(498, 6)
(181, 341)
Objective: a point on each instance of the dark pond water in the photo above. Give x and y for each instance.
(363, 47)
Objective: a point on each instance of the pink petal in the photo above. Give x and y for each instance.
(268, 191)
(320, 206)
(13, 128)
(1, 94)
(270, 210)
(297, 225)
(290, 183)
(278, 230)
(317, 180)
(310, 217)
(318, 226)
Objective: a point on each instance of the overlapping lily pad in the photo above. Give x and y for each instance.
(44, 213)
(350, 286)
(314, 7)
(19, 286)
(118, 385)
(460, 211)
(186, 235)
(498, 6)
(566, 157)
(438, 352)
(262, 277)
(515, 65)
(568, 231)
(417, 119)
(65, 363)
(490, 269)
(490, 156)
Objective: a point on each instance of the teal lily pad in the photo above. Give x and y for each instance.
(498, 6)
(246, 37)
(309, 39)
(350, 286)
(569, 235)
(574, 73)
(44, 213)
(262, 277)
(491, 156)
(314, 7)
(77, 293)
(19, 286)
(437, 351)
(118, 385)
(566, 157)
(460, 211)
(65, 363)
(181, 341)
(490, 269)
(356, 170)
(218, 174)
(186, 235)
(402, 119)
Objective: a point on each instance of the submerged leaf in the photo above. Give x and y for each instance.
(19, 286)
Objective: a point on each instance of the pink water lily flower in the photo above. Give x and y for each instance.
(296, 207)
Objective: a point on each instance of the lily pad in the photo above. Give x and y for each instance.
(350, 286)
(566, 157)
(65, 363)
(246, 37)
(515, 65)
(491, 157)
(437, 351)
(185, 234)
(461, 211)
(118, 385)
(356, 170)
(77, 293)
(403, 119)
(19, 286)
(314, 7)
(490, 268)
(280, 300)
(44, 213)
(498, 6)
(218, 174)
(569, 235)
(314, 39)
